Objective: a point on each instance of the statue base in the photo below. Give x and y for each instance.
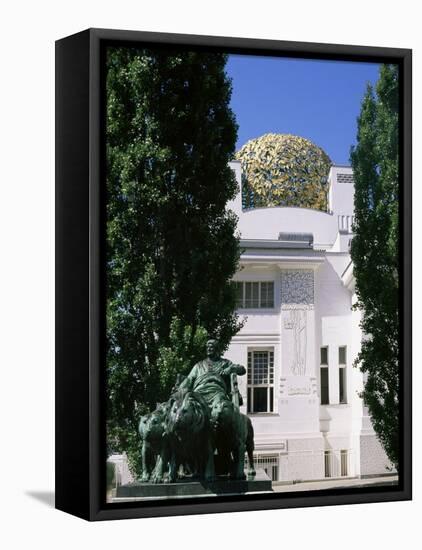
(185, 488)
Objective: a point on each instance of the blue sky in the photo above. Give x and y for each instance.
(318, 100)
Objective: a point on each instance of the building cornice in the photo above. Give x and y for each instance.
(275, 244)
(283, 261)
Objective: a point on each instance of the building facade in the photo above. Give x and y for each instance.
(295, 290)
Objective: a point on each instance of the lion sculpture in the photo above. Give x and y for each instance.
(233, 435)
(151, 432)
(187, 440)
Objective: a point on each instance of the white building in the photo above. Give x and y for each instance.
(300, 338)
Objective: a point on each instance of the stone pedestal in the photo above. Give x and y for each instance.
(183, 488)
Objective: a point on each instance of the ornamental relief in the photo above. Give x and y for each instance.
(301, 307)
(296, 322)
(297, 287)
(297, 297)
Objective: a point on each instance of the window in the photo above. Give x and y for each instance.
(251, 295)
(324, 386)
(324, 376)
(239, 294)
(336, 463)
(342, 384)
(342, 357)
(267, 294)
(254, 294)
(269, 463)
(260, 381)
(327, 463)
(343, 462)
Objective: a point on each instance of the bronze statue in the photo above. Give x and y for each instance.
(188, 440)
(212, 376)
(199, 426)
(233, 436)
(151, 430)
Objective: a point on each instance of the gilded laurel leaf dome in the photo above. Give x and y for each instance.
(284, 170)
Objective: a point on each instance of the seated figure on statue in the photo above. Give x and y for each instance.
(211, 377)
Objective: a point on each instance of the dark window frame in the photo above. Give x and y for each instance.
(268, 300)
(255, 386)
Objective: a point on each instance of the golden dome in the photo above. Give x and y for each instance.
(283, 170)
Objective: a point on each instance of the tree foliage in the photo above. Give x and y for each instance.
(171, 245)
(375, 254)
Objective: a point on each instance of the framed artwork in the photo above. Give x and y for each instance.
(233, 274)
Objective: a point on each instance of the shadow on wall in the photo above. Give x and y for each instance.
(332, 296)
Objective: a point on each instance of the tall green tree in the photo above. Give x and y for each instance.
(171, 244)
(374, 253)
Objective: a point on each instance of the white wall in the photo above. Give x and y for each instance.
(299, 418)
(267, 223)
(272, 221)
(331, 323)
(340, 193)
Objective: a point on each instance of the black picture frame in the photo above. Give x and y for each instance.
(80, 320)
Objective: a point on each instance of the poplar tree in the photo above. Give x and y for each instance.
(171, 245)
(374, 252)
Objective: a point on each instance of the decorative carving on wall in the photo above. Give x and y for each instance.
(299, 390)
(297, 286)
(302, 307)
(288, 322)
(298, 326)
(297, 297)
